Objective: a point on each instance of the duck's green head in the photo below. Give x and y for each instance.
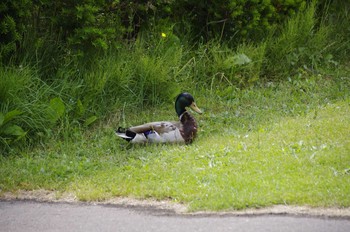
(185, 100)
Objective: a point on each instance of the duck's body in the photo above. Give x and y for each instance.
(183, 131)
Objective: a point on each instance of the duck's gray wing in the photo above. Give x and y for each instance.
(159, 127)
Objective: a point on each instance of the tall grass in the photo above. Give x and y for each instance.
(302, 43)
(338, 17)
(139, 75)
(23, 92)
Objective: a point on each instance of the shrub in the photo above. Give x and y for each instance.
(241, 19)
(13, 18)
(96, 25)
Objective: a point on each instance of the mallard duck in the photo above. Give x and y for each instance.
(183, 131)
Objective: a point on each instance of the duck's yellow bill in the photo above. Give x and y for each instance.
(194, 107)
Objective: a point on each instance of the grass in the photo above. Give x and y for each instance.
(275, 128)
(297, 161)
(282, 144)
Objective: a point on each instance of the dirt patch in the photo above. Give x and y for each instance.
(39, 195)
(52, 196)
(178, 209)
(289, 210)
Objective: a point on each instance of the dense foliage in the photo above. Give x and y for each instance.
(65, 64)
(86, 24)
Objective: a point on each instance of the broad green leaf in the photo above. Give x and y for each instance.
(58, 106)
(56, 109)
(90, 120)
(14, 130)
(241, 59)
(10, 115)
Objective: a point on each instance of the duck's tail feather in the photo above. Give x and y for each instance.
(125, 134)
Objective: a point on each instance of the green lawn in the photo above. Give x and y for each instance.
(300, 160)
(258, 148)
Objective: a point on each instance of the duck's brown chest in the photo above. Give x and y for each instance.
(189, 128)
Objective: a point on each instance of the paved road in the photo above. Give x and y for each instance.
(33, 216)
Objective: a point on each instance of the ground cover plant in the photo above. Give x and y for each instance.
(275, 127)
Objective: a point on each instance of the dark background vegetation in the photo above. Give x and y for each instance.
(66, 64)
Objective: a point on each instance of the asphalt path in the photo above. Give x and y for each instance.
(30, 216)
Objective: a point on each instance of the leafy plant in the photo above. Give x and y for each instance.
(9, 131)
(56, 109)
(13, 20)
(238, 19)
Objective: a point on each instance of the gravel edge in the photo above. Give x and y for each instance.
(165, 207)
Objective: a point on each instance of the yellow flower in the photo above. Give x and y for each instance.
(163, 35)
